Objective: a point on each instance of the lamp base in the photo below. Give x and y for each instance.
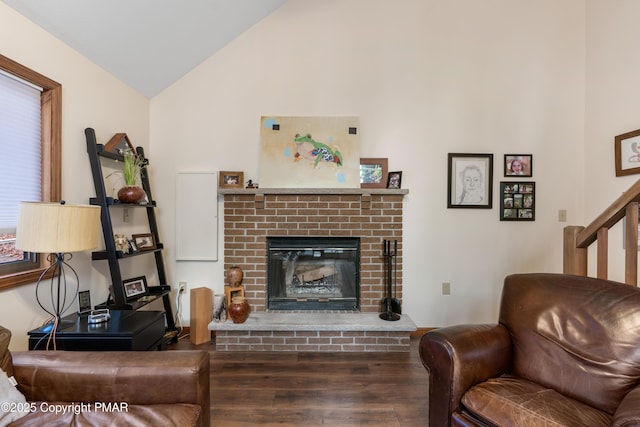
(62, 324)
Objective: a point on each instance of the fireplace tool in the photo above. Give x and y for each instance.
(390, 303)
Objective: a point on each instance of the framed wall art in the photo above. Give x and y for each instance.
(518, 165)
(517, 201)
(627, 153)
(135, 288)
(310, 152)
(231, 179)
(470, 181)
(373, 172)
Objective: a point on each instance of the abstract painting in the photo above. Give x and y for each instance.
(309, 152)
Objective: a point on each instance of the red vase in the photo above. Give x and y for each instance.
(238, 309)
(130, 194)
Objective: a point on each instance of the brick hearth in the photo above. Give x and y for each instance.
(251, 215)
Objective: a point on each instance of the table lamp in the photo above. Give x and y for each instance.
(57, 229)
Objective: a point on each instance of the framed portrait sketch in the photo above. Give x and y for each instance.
(373, 172)
(470, 181)
(517, 201)
(518, 165)
(135, 288)
(627, 153)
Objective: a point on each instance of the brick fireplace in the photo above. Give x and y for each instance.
(372, 215)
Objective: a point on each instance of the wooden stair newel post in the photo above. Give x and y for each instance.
(631, 245)
(574, 258)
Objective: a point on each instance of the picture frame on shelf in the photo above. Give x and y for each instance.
(627, 153)
(230, 179)
(394, 180)
(119, 143)
(84, 303)
(373, 171)
(133, 248)
(470, 181)
(144, 242)
(517, 201)
(135, 288)
(518, 165)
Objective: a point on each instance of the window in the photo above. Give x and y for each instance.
(47, 174)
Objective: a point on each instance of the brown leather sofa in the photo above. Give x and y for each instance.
(168, 388)
(565, 352)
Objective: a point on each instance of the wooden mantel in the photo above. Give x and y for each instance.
(364, 193)
(315, 191)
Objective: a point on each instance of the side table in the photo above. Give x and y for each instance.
(127, 330)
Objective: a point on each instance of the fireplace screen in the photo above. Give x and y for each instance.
(313, 273)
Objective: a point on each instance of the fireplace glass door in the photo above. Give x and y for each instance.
(313, 273)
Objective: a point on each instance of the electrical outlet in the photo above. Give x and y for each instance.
(446, 288)
(182, 287)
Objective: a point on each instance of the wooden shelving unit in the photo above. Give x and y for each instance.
(118, 300)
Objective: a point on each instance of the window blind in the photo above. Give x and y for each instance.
(20, 151)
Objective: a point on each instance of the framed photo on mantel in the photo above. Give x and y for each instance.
(373, 172)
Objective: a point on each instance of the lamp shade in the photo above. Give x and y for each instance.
(58, 228)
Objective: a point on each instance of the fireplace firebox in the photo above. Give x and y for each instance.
(313, 273)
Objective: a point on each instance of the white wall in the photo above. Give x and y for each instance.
(426, 78)
(91, 98)
(612, 70)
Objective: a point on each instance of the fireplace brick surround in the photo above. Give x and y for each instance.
(250, 216)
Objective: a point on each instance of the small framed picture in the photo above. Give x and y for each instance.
(135, 288)
(133, 248)
(373, 172)
(517, 201)
(84, 303)
(627, 153)
(231, 179)
(470, 181)
(144, 242)
(394, 180)
(516, 165)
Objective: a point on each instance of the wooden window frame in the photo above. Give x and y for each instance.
(51, 141)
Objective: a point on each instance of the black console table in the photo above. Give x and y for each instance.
(126, 330)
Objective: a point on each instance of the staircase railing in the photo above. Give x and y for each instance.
(577, 239)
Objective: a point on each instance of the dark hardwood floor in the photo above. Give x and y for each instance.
(316, 389)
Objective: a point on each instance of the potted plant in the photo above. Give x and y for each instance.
(133, 164)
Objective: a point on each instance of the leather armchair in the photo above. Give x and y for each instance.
(156, 388)
(565, 352)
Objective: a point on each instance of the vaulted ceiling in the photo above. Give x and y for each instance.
(148, 44)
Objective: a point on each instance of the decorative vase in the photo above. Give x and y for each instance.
(235, 276)
(130, 194)
(239, 309)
